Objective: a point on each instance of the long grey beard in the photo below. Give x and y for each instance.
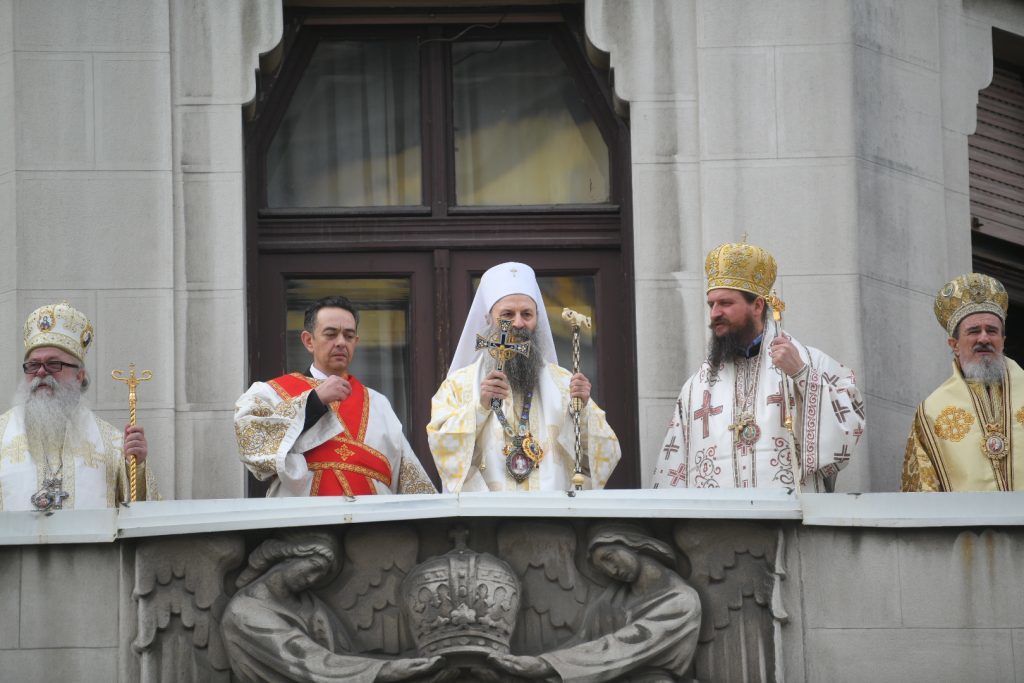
(985, 370)
(47, 415)
(522, 371)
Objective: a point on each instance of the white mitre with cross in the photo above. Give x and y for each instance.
(500, 281)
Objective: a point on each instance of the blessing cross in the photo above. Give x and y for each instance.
(706, 411)
(501, 347)
(132, 380)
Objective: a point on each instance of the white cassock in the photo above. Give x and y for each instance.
(272, 444)
(93, 471)
(468, 442)
(702, 450)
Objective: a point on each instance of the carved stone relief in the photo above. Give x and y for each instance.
(477, 600)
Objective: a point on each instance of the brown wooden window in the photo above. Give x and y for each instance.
(394, 157)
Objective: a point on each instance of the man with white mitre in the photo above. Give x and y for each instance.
(511, 429)
(54, 452)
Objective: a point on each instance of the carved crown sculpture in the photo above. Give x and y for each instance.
(967, 294)
(741, 266)
(461, 603)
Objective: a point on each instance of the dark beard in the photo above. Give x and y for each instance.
(730, 344)
(522, 371)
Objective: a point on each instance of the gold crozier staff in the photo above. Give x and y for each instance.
(778, 306)
(132, 380)
(576, 321)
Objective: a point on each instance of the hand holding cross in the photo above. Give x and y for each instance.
(501, 348)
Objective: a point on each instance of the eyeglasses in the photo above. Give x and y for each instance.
(52, 366)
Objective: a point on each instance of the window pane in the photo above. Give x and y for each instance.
(523, 133)
(575, 292)
(351, 135)
(381, 360)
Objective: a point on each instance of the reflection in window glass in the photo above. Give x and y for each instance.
(523, 133)
(351, 135)
(575, 292)
(381, 360)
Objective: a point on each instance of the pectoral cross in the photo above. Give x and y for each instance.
(132, 381)
(500, 347)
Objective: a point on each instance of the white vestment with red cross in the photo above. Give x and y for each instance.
(702, 448)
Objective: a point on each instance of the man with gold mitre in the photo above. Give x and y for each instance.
(324, 433)
(511, 429)
(968, 435)
(763, 410)
(54, 452)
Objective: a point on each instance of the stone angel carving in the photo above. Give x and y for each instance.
(737, 568)
(276, 628)
(366, 594)
(644, 626)
(542, 555)
(179, 588)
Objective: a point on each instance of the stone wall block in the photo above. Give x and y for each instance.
(815, 100)
(210, 139)
(911, 361)
(1018, 654)
(61, 664)
(804, 212)
(899, 110)
(885, 442)
(7, 130)
(730, 23)
(663, 132)
(95, 26)
(58, 611)
(217, 471)
(666, 208)
(214, 218)
(902, 226)
(133, 102)
(10, 605)
(651, 46)
(958, 230)
(737, 105)
(905, 29)
(908, 655)
(11, 345)
(126, 215)
(9, 254)
(662, 308)
(214, 335)
(848, 580)
(955, 161)
(984, 568)
(6, 27)
(135, 326)
(53, 99)
(966, 60)
(216, 48)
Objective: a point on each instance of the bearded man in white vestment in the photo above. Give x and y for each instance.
(54, 452)
(728, 428)
(530, 446)
(322, 432)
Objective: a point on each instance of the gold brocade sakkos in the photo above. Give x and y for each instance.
(952, 446)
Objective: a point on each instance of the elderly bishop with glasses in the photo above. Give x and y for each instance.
(54, 452)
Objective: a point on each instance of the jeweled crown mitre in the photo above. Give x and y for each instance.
(741, 266)
(461, 603)
(967, 294)
(59, 325)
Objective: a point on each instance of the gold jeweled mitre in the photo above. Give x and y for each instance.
(967, 294)
(61, 326)
(741, 266)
